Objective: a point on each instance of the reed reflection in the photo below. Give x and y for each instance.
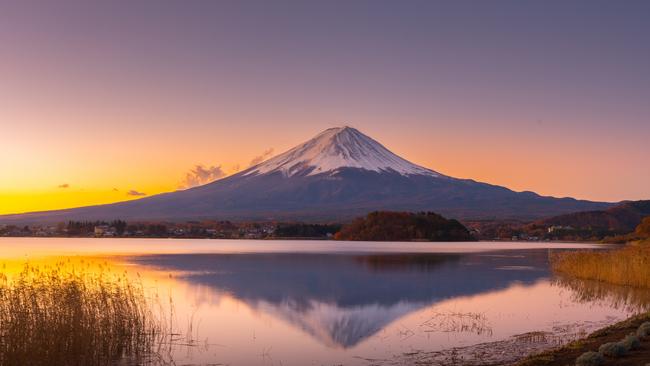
(630, 299)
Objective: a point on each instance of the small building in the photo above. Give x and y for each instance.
(554, 228)
(104, 230)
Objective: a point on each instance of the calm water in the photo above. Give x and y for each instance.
(332, 303)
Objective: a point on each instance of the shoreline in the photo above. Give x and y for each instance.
(316, 239)
(567, 354)
(536, 348)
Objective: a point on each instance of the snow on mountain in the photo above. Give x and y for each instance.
(341, 147)
(333, 176)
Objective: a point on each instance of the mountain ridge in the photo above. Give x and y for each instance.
(338, 175)
(622, 218)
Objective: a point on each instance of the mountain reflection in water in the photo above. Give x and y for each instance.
(342, 299)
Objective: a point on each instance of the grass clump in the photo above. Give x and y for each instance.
(73, 315)
(590, 359)
(631, 342)
(628, 266)
(644, 330)
(613, 349)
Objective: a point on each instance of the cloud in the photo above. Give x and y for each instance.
(115, 190)
(133, 192)
(201, 175)
(64, 185)
(261, 158)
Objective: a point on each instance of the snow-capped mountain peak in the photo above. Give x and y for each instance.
(335, 148)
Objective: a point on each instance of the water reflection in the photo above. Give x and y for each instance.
(630, 299)
(342, 299)
(268, 306)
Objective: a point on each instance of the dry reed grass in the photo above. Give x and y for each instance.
(629, 266)
(76, 314)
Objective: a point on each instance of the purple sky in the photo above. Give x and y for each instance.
(550, 96)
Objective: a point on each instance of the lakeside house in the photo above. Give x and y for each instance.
(104, 231)
(556, 228)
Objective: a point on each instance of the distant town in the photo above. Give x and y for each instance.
(194, 230)
(613, 225)
(479, 230)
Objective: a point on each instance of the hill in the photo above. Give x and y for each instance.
(619, 219)
(404, 226)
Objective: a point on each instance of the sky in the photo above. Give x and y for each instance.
(109, 101)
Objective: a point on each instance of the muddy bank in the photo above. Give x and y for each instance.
(566, 355)
(559, 347)
(503, 352)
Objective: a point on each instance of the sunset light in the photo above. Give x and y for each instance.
(311, 182)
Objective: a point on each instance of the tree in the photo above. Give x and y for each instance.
(119, 226)
(404, 226)
(643, 230)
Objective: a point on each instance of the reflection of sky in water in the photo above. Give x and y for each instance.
(350, 280)
(291, 303)
(376, 306)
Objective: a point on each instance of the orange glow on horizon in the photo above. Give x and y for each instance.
(118, 96)
(104, 171)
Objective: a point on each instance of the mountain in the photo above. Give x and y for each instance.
(335, 149)
(338, 175)
(620, 219)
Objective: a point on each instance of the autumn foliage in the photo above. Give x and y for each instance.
(404, 226)
(643, 230)
(628, 265)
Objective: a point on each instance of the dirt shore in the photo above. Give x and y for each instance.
(566, 355)
(535, 348)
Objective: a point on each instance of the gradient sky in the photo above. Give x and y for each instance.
(101, 98)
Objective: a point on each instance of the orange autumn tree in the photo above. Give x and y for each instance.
(404, 226)
(643, 230)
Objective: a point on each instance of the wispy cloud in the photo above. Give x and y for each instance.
(258, 159)
(133, 192)
(200, 175)
(64, 185)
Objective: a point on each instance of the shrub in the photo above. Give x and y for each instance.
(643, 230)
(631, 341)
(612, 349)
(590, 359)
(644, 330)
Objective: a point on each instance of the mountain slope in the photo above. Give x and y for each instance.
(338, 175)
(338, 148)
(622, 218)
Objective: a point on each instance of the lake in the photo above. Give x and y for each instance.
(246, 302)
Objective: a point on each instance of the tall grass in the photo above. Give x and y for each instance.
(63, 314)
(629, 266)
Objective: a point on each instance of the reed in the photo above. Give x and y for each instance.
(629, 266)
(73, 315)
